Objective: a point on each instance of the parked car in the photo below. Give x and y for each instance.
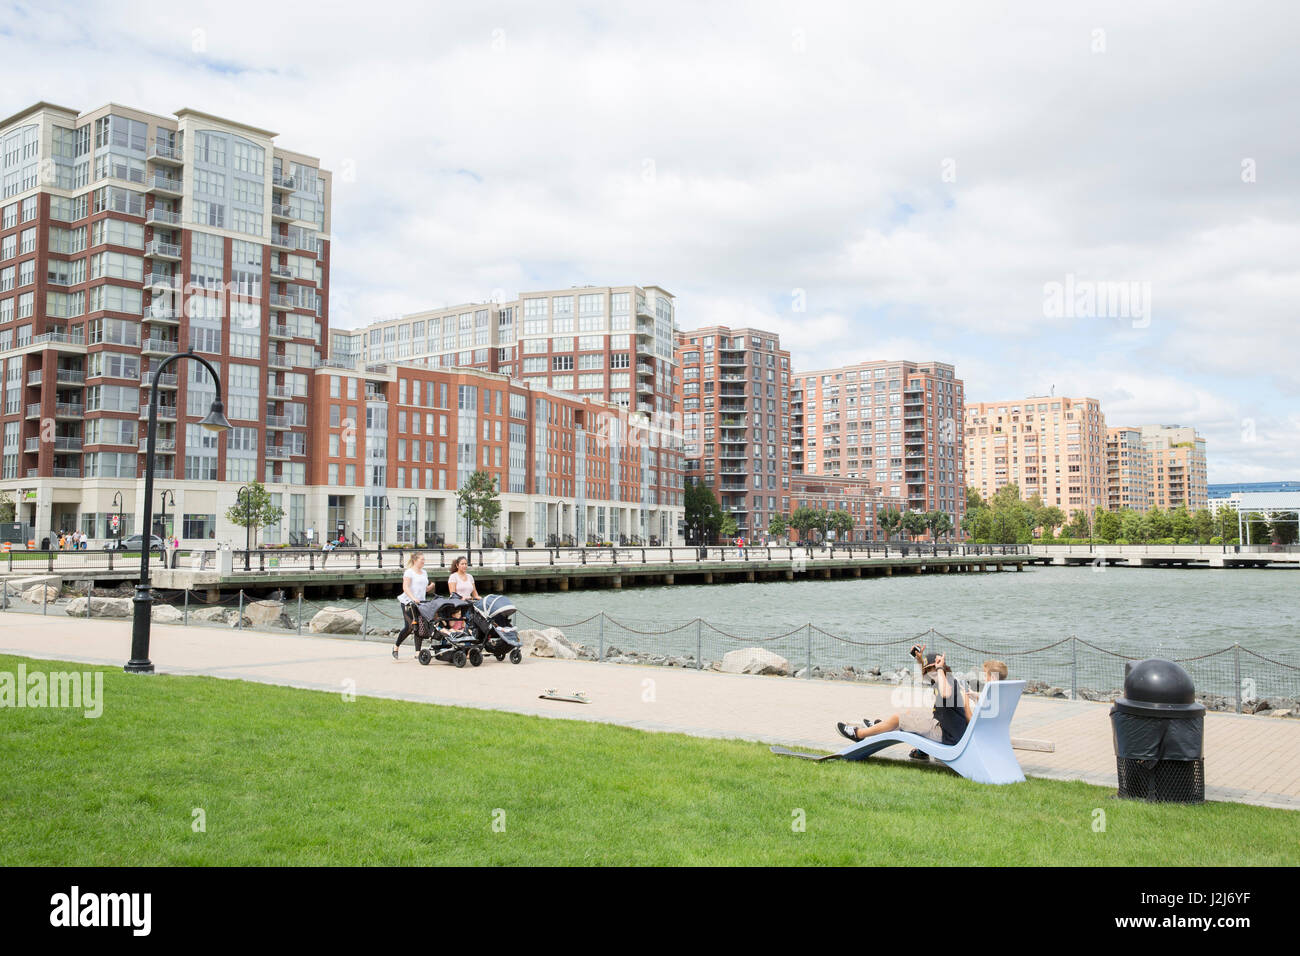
(134, 543)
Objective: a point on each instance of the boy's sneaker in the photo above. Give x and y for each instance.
(919, 755)
(844, 730)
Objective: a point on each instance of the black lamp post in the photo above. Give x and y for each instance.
(383, 519)
(243, 495)
(162, 506)
(413, 516)
(118, 503)
(215, 421)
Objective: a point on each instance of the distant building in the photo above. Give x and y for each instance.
(735, 401)
(1177, 465)
(896, 424)
(1128, 471)
(863, 500)
(1047, 445)
(1250, 487)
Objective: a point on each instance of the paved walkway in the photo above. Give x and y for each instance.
(1249, 759)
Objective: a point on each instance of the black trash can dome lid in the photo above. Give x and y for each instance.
(1155, 686)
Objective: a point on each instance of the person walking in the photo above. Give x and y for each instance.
(460, 583)
(415, 585)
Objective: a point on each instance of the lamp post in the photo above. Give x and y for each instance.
(243, 495)
(383, 519)
(413, 516)
(214, 421)
(118, 502)
(162, 506)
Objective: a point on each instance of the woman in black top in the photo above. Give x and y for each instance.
(944, 723)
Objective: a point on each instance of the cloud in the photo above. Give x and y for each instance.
(918, 172)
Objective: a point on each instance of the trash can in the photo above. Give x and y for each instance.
(1159, 733)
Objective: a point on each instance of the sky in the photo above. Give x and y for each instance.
(1101, 199)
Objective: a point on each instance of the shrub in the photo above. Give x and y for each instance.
(531, 543)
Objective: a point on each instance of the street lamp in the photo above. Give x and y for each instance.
(118, 502)
(214, 421)
(162, 505)
(413, 516)
(243, 495)
(383, 519)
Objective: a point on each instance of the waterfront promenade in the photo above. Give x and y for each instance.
(1248, 759)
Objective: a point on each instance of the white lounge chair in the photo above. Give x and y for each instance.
(983, 754)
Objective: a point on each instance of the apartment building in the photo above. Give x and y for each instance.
(126, 237)
(609, 344)
(1178, 468)
(897, 424)
(1128, 471)
(395, 441)
(1047, 445)
(861, 499)
(734, 394)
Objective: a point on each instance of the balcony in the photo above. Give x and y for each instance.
(162, 313)
(57, 339)
(32, 444)
(152, 346)
(69, 410)
(157, 249)
(644, 368)
(645, 329)
(280, 272)
(278, 422)
(280, 212)
(166, 413)
(161, 153)
(645, 388)
(162, 217)
(277, 453)
(160, 445)
(283, 242)
(277, 360)
(279, 391)
(280, 181)
(161, 185)
(279, 332)
(65, 443)
(69, 376)
(161, 280)
(67, 472)
(34, 410)
(281, 301)
(165, 380)
(34, 377)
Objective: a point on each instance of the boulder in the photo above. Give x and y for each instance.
(166, 614)
(548, 642)
(101, 607)
(336, 620)
(41, 594)
(212, 615)
(755, 660)
(263, 614)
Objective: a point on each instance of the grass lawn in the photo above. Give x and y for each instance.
(290, 776)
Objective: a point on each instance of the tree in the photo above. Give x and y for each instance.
(728, 527)
(889, 520)
(1202, 526)
(7, 509)
(1132, 529)
(1049, 519)
(777, 526)
(1180, 523)
(914, 523)
(1108, 526)
(478, 501)
(841, 522)
(974, 500)
(1285, 530)
(702, 511)
(253, 509)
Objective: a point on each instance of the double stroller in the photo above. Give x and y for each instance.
(491, 621)
(457, 631)
(442, 626)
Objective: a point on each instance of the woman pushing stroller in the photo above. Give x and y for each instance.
(415, 585)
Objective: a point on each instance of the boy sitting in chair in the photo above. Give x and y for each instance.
(945, 723)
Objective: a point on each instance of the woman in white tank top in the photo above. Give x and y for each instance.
(415, 585)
